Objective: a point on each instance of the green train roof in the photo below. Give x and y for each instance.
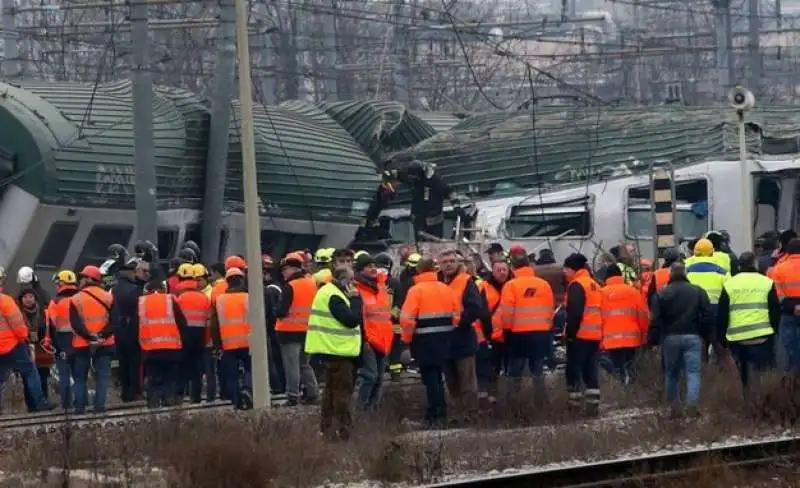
(74, 146)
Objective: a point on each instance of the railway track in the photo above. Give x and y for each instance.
(644, 470)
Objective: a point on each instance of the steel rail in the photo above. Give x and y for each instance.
(633, 471)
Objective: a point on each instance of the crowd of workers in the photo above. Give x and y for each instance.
(465, 319)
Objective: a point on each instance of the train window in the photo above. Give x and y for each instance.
(195, 233)
(167, 240)
(56, 244)
(691, 210)
(566, 221)
(95, 250)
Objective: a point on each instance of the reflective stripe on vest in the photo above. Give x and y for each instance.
(749, 310)
(159, 331)
(234, 327)
(326, 335)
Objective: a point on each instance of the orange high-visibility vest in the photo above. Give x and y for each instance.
(58, 314)
(786, 276)
(377, 318)
(459, 285)
(303, 291)
(431, 307)
(158, 330)
(527, 303)
(591, 323)
(234, 325)
(13, 330)
(94, 314)
(196, 307)
(625, 315)
(492, 295)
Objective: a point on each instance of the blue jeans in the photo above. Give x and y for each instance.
(81, 363)
(433, 379)
(369, 384)
(231, 361)
(683, 353)
(789, 338)
(19, 359)
(64, 382)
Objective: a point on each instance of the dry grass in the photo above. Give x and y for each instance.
(283, 448)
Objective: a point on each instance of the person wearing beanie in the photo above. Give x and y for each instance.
(34, 314)
(292, 313)
(661, 276)
(583, 332)
(625, 320)
(495, 252)
(526, 317)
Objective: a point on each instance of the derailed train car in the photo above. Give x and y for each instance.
(68, 185)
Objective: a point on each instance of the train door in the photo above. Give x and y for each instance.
(777, 198)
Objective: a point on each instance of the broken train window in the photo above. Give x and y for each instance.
(549, 219)
(691, 210)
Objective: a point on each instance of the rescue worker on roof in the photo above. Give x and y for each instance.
(459, 371)
(334, 335)
(661, 275)
(14, 351)
(377, 326)
(93, 342)
(786, 276)
(404, 282)
(230, 331)
(323, 259)
(297, 294)
(748, 314)
(583, 332)
(272, 298)
(34, 314)
(429, 315)
(525, 316)
(131, 278)
(490, 359)
(195, 307)
(162, 334)
(60, 332)
(625, 320)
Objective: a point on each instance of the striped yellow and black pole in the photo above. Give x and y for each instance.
(663, 210)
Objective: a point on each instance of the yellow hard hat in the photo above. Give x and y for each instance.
(186, 270)
(324, 255)
(65, 276)
(703, 247)
(413, 259)
(199, 271)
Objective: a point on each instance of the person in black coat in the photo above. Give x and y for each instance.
(125, 320)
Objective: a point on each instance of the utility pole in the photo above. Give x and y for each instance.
(637, 61)
(401, 71)
(724, 51)
(329, 40)
(300, 46)
(146, 216)
(255, 302)
(217, 156)
(755, 61)
(11, 65)
(266, 56)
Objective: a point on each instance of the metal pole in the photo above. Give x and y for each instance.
(721, 24)
(329, 31)
(265, 56)
(401, 88)
(11, 66)
(258, 338)
(146, 216)
(747, 187)
(217, 157)
(754, 48)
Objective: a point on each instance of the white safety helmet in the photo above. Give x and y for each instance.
(25, 275)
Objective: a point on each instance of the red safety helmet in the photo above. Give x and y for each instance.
(234, 272)
(235, 262)
(92, 272)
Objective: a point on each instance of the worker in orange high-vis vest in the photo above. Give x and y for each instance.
(786, 276)
(625, 319)
(661, 275)
(15, 354)
(583, 332)
(196, 308)
(162, 334)
(93, 342)
(60, 332)
(230, 331)
(428, 317)
(491, 357)
(378, 333)
(220, 285)
(459, 371)
(297, 295)
(525, 315)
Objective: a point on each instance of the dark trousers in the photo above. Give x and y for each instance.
(752, 358)
(529, 349)
(622, 360)
(162, 377)
(433, 379)
(130, 371)
(485, 370)
(336, 399)
(582, 371)
(44, 376)
(232, 360)
(82, 361)
(277, 376)
(192, 373)
(395, 353)
(211, 371)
